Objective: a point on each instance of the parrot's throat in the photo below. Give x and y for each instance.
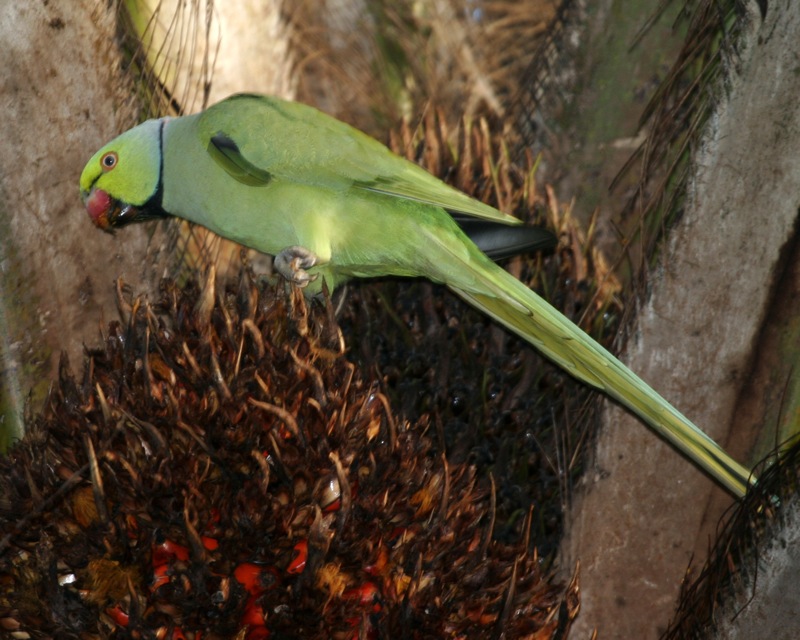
(152, 208)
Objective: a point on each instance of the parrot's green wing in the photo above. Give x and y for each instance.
(255, 138)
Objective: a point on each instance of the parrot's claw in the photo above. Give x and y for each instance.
(292, 263)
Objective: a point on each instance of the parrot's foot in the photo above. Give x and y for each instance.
(292, 263)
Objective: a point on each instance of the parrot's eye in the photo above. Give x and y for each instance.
(108, 161)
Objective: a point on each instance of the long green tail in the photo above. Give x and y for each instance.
(507, 300)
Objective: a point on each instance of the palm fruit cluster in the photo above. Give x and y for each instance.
(222, 470)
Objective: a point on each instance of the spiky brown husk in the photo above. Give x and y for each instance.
(165, 493)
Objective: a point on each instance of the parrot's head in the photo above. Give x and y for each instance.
(122, 181)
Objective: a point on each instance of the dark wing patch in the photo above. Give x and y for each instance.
(226, 154)
(501, 241)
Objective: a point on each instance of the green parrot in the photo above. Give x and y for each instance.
(331, 203)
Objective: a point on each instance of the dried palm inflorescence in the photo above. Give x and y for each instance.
(222, 470)
(369, 62)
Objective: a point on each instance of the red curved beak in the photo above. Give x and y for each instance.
(106, 212)
(99, 205)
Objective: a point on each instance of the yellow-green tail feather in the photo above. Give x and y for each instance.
(521, 310)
